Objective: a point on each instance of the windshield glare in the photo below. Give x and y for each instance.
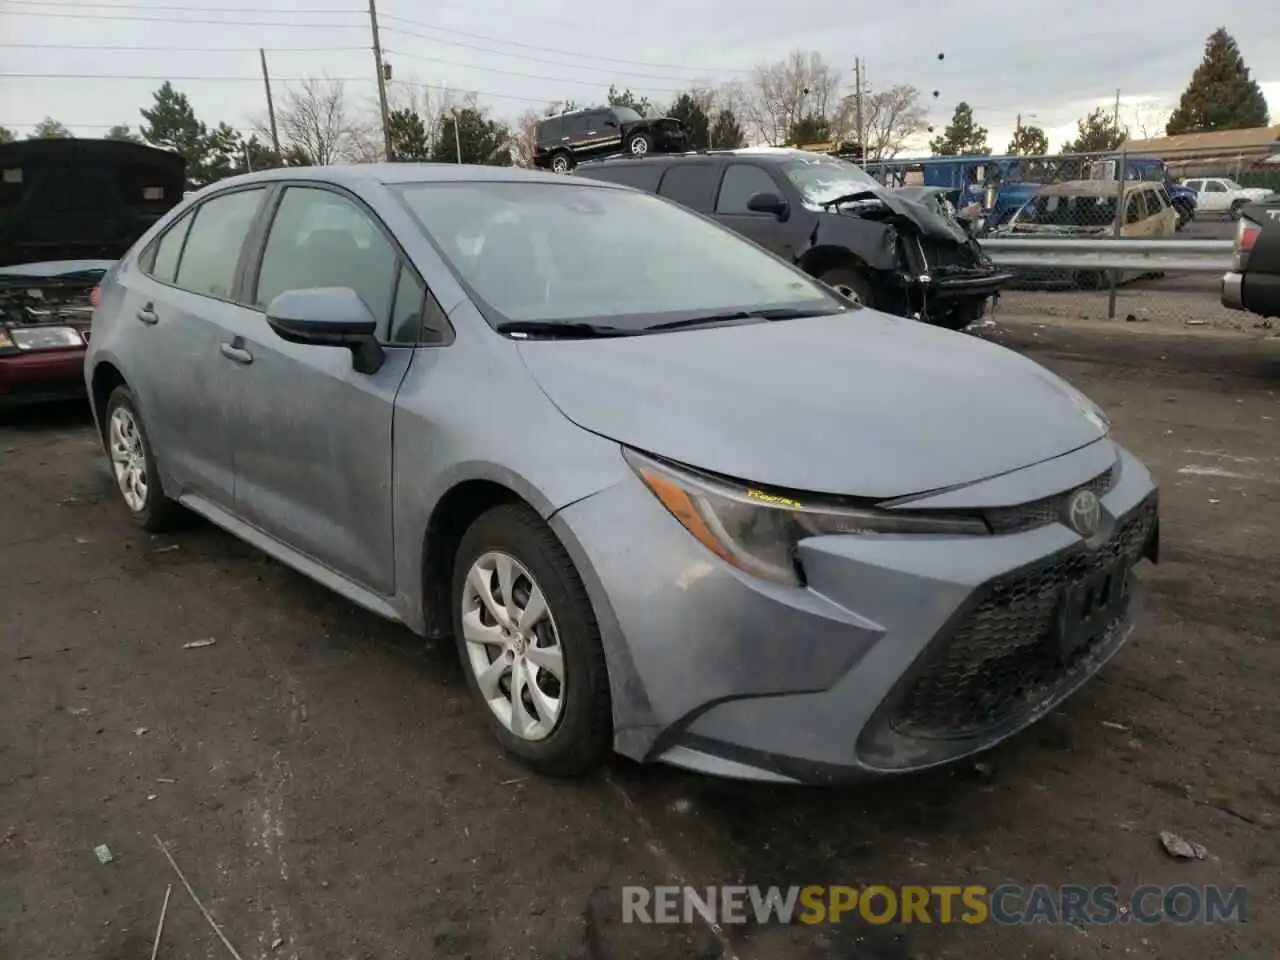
(821, 179)
(576, 253)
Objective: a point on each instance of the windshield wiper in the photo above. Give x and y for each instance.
(733, 316)
(549, 329)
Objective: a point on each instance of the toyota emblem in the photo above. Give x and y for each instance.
(1084, 513)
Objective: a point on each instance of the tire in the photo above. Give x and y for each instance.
(561, 162)
(849, 280)
(576, 738)
(639, 144)
(125, 435)
(1236, 209)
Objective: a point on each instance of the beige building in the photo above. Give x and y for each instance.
(1221, 151)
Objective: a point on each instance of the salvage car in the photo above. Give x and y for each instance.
(68, 208)
(1253, 283)
(667, 493)
(893, 251)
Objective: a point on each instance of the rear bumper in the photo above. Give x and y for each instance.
(41, 376)
(1255, 292)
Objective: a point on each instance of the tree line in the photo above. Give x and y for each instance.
(800, 99)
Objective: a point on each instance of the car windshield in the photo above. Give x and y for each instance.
(821, 179)
(1069, 211)
(626, 114)
(575, 253)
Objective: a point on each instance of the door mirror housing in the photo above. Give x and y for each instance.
(328, 317)
(769, 203)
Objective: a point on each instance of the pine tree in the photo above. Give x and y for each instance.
(962, 137)
(1096, 133)
(1221, 94)
(696, 123)
(726, 132)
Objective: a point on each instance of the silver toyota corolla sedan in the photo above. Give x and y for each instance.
(670, 495)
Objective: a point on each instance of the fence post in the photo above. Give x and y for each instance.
(1122, 174)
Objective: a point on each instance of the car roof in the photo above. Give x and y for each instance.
(354, 174)
(767, 154)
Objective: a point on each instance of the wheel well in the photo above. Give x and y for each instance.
(105, 379)
(819, 261)
(450, 519)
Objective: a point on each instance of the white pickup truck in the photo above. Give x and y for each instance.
(1220, 195)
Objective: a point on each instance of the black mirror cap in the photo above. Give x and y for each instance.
(768, 203)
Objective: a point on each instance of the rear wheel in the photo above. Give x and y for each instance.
(133, 464)
(852, 283)
(561, 162)
(530, 644)
(1236, 208)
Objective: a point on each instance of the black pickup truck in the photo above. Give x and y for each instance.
(899, 252)
(1253, 284)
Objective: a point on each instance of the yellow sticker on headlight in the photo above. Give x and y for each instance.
(763, 497)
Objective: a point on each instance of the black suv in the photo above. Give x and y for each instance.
(565, 141)
(893, 251)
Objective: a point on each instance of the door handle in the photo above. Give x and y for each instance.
(147, 314)
(234, 351)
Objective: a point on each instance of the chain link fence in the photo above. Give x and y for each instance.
(1120, 195)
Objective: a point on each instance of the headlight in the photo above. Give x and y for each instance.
(45, 338)
(758, 531)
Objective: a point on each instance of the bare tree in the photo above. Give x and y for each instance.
(800, 85)
(316, 117)
(430, 102)
(523, 138)
(890, 118)
(1149, 119)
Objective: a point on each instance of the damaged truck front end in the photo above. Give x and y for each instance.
(923, 262)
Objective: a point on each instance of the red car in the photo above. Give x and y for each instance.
(68, 209)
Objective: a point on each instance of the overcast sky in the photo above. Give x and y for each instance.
(1050, 60)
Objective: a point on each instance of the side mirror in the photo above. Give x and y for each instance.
(769, 203)
(328, 317)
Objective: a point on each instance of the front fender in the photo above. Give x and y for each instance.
(838, 236)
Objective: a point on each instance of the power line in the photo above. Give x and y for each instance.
(258, 79)
(166, 48)
(220, 23)
(517, 73)
(385, 29)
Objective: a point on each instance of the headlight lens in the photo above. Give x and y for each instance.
(758, 531)
(44, 338)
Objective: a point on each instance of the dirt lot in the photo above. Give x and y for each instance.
(329, 792)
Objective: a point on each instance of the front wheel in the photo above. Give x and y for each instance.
(530, 643)
(561, 163)
(1236, 209)
(851, 283)
(133, 464)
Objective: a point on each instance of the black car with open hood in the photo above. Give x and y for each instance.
(69, 208)
(894, 251)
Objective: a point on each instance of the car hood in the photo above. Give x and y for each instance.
(919, 209)
(859, 404)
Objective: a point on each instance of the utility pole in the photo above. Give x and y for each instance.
(857, 107)
(1115, 117)
(271, 104)
(382, 81)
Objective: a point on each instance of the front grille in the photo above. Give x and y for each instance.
(1047, 510)
(999, 664)
(939, 253)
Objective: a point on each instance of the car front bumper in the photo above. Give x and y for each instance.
(900, 653)
(41, 376)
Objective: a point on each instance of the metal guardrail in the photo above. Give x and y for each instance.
(1146, 256)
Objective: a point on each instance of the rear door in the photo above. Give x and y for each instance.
(691, 183)
(183, 302)
(313, 436)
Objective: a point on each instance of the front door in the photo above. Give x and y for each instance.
(313, 439)
(741, 182)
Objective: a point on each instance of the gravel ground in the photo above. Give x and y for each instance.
(327, 789)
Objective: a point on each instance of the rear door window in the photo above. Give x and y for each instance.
(689, 184)
(164, 266)
(643, 176)
(550, 129)
(212, 251)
